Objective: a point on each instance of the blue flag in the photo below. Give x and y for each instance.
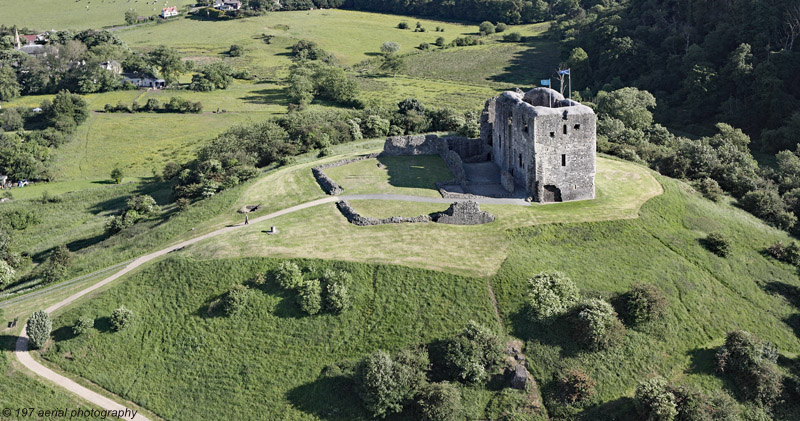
(545, 82)
(563, 72)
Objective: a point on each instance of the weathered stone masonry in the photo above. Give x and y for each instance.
(543, 142)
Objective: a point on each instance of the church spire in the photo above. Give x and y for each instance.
(17, 44)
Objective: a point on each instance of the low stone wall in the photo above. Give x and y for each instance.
(357, 219)
(459, 213)
(328, 185)
(428, 144)
(464, 213)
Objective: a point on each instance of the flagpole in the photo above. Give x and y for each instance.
(550, 87)
(570, 85)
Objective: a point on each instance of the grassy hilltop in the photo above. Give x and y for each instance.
(400, 306)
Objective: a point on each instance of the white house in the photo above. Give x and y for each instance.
(144, 80)
(169, 12)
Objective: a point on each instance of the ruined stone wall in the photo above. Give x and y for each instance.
(464, 213)
(470, 150)
(459, 213)
(356, 219)
(429, 144)
(456, 166)
(326, 183)
(487, 121)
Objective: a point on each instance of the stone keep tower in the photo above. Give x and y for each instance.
(543, 143)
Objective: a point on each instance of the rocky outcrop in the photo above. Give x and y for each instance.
(518, 377)
(464, 213)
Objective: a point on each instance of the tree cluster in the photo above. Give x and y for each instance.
(153, 105)
(137, 208)
(658, 400)
(751, 363)
(328, 291)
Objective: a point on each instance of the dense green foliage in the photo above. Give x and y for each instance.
(82, 325)
(440, 402)
(289, 275)
(470, 356)
(718, 243)
(551, 294)
(750, 362)
(387, 383)
(597, 325)
(121, 318)
(235, 300)
(309, 296)
(139, 207)
(656, 402)
(38, 327)
(644, 303)
(576, 387)
(511, 11)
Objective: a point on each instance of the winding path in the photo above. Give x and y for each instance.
(101, 401)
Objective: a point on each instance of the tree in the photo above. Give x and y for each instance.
(471, 354)
(512, 37)
(309, 296)
(655, 401)
(750, 362)
(644, 303)
(718, 243)
(386, 384)
(236, 50)
(130, 17)
(710, 189)
(597, 325)
(550, 294)
(629, 105)
(375, 126)
(55, 267)
(390, 47)
(11, 120)
(82, 325)
(500, 27)
(6, 273)
(301, 88)
(171, 170)
(168, 62)
(66, 111)
(288, 275)
(218, 75)
(392, 63)
(9, 87)
(440, 402)
(38, 327)
(337, 297)
(121, 318)
(440, 42)
(117, 175)
(486, 28)
(235, 300)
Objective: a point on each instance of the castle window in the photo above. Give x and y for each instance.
(565, 129)
(525, 128)
(520, 160)
(552, 134)
(563, 160)
(577, 127)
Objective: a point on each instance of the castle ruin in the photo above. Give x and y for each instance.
(543, 143)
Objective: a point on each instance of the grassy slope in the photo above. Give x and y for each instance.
(708, 295)
(183, 363)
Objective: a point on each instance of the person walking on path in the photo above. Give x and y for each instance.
(246, 219)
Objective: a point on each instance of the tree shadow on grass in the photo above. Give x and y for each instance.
(790, 292)
(618, 409)
(83, 243)
(329, 397)
(793, 321)
(266, 96)
(103, 324)
(64, 333)
(703, 361)
(8, 342)
(558, 333)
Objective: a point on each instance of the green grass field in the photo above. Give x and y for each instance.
(183, 362)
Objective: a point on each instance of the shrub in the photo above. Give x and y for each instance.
(235, 300)
(55, 267)
(512, 37)
(390, 47)
(38, 327)
(486, 28)
(21, 219)
(576, 387)
(6, 273)
(117, 175)
(236, 50)
(789, 254)
(710, 189)
(440, 402)
(468, 356)
(289, 276)
(309, 296)
(375, 126)
(500, 27)
(550, 294)
(718, 243)
(644, 303)
(424, 46)
(655, 401)
(171, 170)
(82, 325)
(402, 25)
(440, 42)
(597, 325)
(121, 318)
(337, 297)
(385, 384)
(751, 363)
